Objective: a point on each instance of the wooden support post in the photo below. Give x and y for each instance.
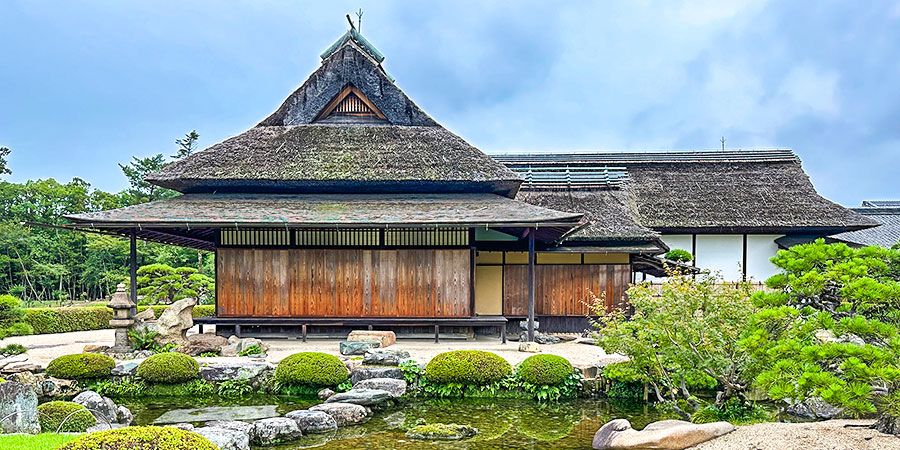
(237, 330)
(132, 268)
(437, 337)
(303, 332)
(531, 285)
(200, 327)
(503, 333)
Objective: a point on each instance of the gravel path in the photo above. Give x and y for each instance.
(43, 348)
(827, 435)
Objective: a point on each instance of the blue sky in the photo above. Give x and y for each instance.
(85, 85)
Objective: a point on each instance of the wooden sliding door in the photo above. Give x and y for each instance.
(564, 289)
(343, 283)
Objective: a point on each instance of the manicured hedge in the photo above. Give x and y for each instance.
(311, 369)
(87, 318)
(81, 366)
(545, 370)
(169, 368)
(467, 367)
(73, 417)
(167, 438)
(11, 317)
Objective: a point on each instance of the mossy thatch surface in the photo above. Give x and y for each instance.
(340, 158)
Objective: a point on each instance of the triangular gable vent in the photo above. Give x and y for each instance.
(350, 103)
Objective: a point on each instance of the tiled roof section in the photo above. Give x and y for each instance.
(881, 203)
(885, 235)
(325, 209)
(719, 192)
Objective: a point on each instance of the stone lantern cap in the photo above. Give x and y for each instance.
(121, 299)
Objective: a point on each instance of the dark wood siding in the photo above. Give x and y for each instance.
(564, 289)
(343, 283)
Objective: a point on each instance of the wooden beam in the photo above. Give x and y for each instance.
(531, 286)
(132, 268)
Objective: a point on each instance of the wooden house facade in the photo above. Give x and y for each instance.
(349, 206)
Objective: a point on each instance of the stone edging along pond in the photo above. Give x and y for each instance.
(350, 389)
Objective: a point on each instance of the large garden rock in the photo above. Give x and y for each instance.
(385, 338)
(365, 397)
(441, 432)
(18, 409)
(225, 438)
(357, 348)
(174, 322)
(343, 413)
(246, 343)
(198, 344)
(44, 385)
(220, 372)
(395, 387)
(274, 431)
(663, 435)
(125, 369)
(124, 415)
(103, 408)
(312, 421)
(529, 347)
(814, 408)
(543, 339)
(368, 372)
(385, 357)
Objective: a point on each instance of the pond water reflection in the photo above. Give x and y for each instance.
(501, 423)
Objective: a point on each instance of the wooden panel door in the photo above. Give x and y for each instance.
(564, 289)
(343, 283)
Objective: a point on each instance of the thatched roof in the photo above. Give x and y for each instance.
(310, 210)
(718, 192)
(608, 213)
(331, 158)
(292, 151)
(887, 234)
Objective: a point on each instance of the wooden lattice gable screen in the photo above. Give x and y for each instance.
(444, 237)
(351, 102)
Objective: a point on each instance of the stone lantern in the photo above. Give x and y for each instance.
(123, 318)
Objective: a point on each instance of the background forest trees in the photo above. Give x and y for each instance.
(50, 265)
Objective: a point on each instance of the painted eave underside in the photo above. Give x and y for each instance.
(887, 234)
(708, 192)
(230, 210)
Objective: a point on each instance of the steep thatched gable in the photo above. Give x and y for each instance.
(348, 65)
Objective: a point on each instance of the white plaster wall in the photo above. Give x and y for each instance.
(682, 241)
(721, 253)
(760, 248)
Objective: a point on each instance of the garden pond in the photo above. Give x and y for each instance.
(501, 423)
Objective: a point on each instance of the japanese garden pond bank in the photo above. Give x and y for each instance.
(501, 423)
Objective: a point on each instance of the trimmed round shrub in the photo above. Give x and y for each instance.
(169, 368)
(311, 369)
(163, 438)
(73, 417)
(81, 366)
(467, 367)
(545, 370)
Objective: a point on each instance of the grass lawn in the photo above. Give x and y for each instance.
(43, 441)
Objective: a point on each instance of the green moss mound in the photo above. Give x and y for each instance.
(64, 416)
(141, 438)
(81, 366)
(545, 370)
(467, 367)
(311, 369)
(169, 368)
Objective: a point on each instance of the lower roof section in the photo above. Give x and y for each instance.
(191, 220)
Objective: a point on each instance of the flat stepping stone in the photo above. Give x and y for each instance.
(212, 413)
(367, 372)
(343, 413)
(313, 421)
(364, 397)
(397, 388)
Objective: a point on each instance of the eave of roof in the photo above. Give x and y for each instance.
(307, 210)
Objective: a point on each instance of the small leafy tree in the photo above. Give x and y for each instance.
(684, 334)
(186, 144)
(677, 254)
(160, 283)
(827, 329)
(4, 168)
